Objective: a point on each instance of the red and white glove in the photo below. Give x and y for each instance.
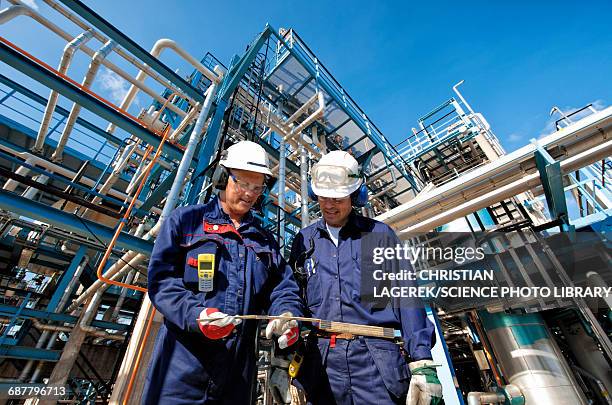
(288, 330)
(215, 324)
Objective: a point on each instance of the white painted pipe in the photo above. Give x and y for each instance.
(27, 11)
(479, 398)
(11, 184)
(194, 140)
(94, 66)
(128, 57)
(506, 170)
(318, 113)
(65, 61)
(524, 184)
(156, 51)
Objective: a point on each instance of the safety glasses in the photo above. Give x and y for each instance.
(246, 186)
(332, 176)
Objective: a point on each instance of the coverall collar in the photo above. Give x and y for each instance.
(354, 224)
(214, 214)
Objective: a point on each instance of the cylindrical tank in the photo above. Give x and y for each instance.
(530, 359)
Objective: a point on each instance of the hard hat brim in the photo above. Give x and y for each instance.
(246, 166)
(338, 192)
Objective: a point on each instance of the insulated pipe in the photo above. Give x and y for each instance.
(114, 175)
(194, 140)
(11, 184)
(586, 135)
(27, 11)
(157, 49)
(32, 192)
(94, 66)
(281, 192)
(128, 57)
(318, 113)
(186, 120)
(64, 64)
(519, 186)
(478, 398)
(304, 186)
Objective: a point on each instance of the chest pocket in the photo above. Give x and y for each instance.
(262, 266)
(208, 244)
(313, 285)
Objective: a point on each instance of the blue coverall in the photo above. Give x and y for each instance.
(250, 277)
(363, 370)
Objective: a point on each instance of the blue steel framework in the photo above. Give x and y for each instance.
(290, 64)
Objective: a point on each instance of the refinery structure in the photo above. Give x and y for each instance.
(85, 186)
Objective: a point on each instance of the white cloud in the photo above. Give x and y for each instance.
(515, 137)
(550, 126)
(30, 3)
(115, 85)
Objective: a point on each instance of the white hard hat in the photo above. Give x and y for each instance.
(336, 175)
(247, 155)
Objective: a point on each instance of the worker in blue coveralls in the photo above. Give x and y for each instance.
(210, 263)
(345, 368)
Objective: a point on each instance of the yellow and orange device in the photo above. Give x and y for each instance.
(206, 271)
(294, 366)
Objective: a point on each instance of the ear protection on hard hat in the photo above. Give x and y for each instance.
(359, 197)
(221, 174)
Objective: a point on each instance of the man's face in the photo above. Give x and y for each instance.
(243, 189)
(335, 210)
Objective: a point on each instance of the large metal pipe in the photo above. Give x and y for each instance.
(94, 66)
(584, 139)
(479, 398)
(120, 51)
(64, 64)
(304, 187)
(530, 358)
(27, 11)
(524, 184)
(194, 140)
(157, 49)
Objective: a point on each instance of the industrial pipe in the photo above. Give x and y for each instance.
(29, 12)
(65, 61)
(478, 398)
(526, 183)
(194, 140)
(157, 49)
(94, 66)
(585, 136)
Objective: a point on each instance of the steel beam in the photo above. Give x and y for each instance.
(69, 90)
(58, 109)
(26, 313)
(70, 222)
(127, 43)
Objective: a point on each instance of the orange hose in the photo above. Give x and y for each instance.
(126, 216)
(130, 386)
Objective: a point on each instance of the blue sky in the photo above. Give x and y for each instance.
(398, 60)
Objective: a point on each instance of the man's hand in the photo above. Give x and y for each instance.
(425, 388)
(216, 325)
(288, 330)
